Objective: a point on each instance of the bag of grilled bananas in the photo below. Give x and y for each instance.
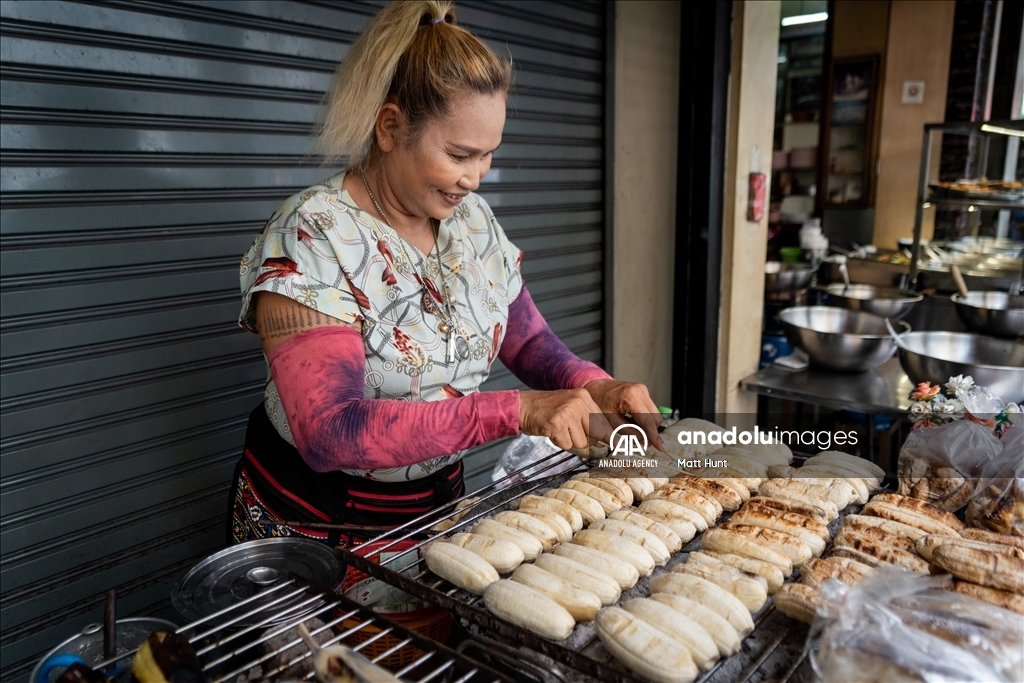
(896, 626)
(998, 503)
(937, 464)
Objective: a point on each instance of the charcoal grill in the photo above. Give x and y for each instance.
(774, 650)
(234, 644)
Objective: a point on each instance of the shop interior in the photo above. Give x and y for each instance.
(799, 215)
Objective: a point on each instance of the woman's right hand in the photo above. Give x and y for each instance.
(568, 417)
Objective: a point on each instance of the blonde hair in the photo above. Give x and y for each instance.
(413, 55)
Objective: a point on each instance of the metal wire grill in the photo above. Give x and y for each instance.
(774, 650)
(255, 640)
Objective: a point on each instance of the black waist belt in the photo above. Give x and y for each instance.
(297, 492)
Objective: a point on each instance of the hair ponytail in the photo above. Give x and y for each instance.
(414, 55)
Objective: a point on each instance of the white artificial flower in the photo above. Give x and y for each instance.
(951, 407)
(919, 408)
(960, 383)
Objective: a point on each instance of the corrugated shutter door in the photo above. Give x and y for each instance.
(143, 145)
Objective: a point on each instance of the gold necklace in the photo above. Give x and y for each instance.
(457, 346)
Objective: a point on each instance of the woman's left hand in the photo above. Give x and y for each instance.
(616, 398)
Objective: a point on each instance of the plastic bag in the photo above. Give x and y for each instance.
(998, 504)
(524, 451)
(936, 464)
(896, 625)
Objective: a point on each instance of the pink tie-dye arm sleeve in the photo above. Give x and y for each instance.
(320, 377)
(536, 356)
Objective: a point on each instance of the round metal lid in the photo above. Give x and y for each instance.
(247, 569)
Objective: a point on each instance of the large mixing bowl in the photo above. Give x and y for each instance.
(839, 339)
(786, 277)
(887, 302)
(996, 313)
(994, 363)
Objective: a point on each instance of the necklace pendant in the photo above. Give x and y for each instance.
(451, 347)
(461, 347)
(428, 303)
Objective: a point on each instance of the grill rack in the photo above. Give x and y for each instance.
(232, 642)
(774, 649)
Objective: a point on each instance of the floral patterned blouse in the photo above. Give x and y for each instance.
(323, 251)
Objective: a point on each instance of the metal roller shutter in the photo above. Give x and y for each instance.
(144, 143)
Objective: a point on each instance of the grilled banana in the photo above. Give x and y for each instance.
(992, 537)
(703, 559)
(537, 528)
(908, 516)
(992, 596)
(799, 602)
(563, 532)
(528, 543)
(726, 496)
(581, 604)
(816, 571)
(994, 570)
(504, 556)
(801, 492)
(651, 543)
(563, 510)
(679, 627)
(749, 592)
(770, 454)
(792, 547)
(673, 510)
(926, 545)
(728, 541)
(708, 594)
(806, 529)
(881, 546)
(766, 570)
(613, 485)
(582, 576)
(459, 566)
(921, 507)
(704, 504)
(866, 468)
(590, 510)
(886, 525)
(788, 505)
(670, 538)
(643, 648)
(620, 546)
(607, 501)
(858, 484)
(722, 633)
(680, 527)
(529, 608)
(618, 570)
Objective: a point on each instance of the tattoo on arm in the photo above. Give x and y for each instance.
(279, 322)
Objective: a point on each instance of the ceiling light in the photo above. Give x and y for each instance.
(804, 19)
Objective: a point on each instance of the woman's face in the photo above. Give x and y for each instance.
(430, 177)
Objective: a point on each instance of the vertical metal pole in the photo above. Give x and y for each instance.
(922, 194)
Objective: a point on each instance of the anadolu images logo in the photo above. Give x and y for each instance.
(628, 444)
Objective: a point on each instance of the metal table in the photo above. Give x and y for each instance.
(884, 390)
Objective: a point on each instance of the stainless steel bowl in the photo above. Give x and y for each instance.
(887, 302)
(994, 363)
(996, 313)
(839, 339)
(786, 277)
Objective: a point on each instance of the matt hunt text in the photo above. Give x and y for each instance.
(706, 462)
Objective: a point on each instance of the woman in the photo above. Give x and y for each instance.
(383, 295)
